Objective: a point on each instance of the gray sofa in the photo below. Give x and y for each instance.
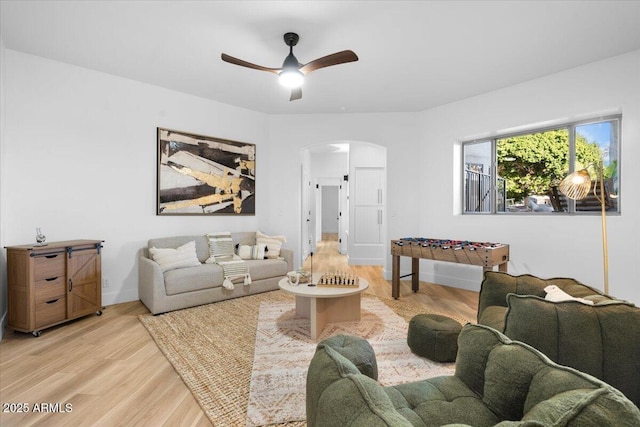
(188, 287)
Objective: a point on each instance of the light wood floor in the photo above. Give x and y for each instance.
(112, 373)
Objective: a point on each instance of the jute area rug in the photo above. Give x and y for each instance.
(212, 348)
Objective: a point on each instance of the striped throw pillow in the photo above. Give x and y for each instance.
(220, 247)
(274, 243)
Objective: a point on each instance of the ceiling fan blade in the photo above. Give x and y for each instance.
(240, 62)
(329, 60)
(296, 93)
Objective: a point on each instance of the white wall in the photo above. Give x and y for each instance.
(3, 204)
(79, 152)
(541, 245)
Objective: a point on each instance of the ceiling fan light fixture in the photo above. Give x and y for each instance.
(291, 78)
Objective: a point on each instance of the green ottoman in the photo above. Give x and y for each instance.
(434, 336)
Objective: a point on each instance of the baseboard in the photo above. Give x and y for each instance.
(439, 279)
(111, 298)
(364, 261)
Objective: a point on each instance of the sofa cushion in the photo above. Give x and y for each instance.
(180, 257)
(339, 395)
(493, 316)
(496, 285)
(602, 340)
(439, 401)
(358, 351)
(266, 268)
(204, 276)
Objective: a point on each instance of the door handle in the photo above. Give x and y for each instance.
(70, 285)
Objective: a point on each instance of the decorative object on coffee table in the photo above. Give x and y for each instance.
(339, 279)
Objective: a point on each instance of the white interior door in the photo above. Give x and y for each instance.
(307, 231)
(330, 209)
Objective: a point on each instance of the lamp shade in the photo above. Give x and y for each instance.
(576, 185)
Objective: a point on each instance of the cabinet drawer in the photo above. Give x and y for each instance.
(52, 311)
(49, 289)
(49, 266)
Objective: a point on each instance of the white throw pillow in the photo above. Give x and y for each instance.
(252, 252)
(274, 243)
(170, 259)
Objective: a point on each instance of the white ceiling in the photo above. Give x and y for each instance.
(414, 55)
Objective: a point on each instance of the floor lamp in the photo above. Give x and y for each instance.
(576, 186)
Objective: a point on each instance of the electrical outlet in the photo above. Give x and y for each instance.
(105, 283)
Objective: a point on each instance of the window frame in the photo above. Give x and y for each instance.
(570, 126)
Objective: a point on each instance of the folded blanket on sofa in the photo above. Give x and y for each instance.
(556, 294)
(234, 269)
(221, 253)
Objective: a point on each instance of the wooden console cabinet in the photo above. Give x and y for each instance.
(49, 285)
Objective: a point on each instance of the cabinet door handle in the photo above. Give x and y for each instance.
(52, 301)
(51, 256)
(51, 279)
(70, 285)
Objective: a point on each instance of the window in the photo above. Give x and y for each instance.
(520, 172)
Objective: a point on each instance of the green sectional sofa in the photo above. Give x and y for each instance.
(602, 339)
(497, 381)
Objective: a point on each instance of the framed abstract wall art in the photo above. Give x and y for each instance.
(203, 175)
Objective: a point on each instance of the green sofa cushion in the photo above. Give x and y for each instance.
(602, 340)
(357, 350)
(496, 285)
(338, 394)
(438, 401)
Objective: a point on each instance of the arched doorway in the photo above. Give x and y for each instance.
(358, 171)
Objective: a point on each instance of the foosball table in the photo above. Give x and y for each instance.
(484, 254)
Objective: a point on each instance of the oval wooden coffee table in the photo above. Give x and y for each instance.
(322, 305)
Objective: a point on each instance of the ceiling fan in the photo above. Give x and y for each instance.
(292, 72)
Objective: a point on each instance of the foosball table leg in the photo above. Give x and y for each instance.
(395, 276)
(415, 274)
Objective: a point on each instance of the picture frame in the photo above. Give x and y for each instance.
(204, 175)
